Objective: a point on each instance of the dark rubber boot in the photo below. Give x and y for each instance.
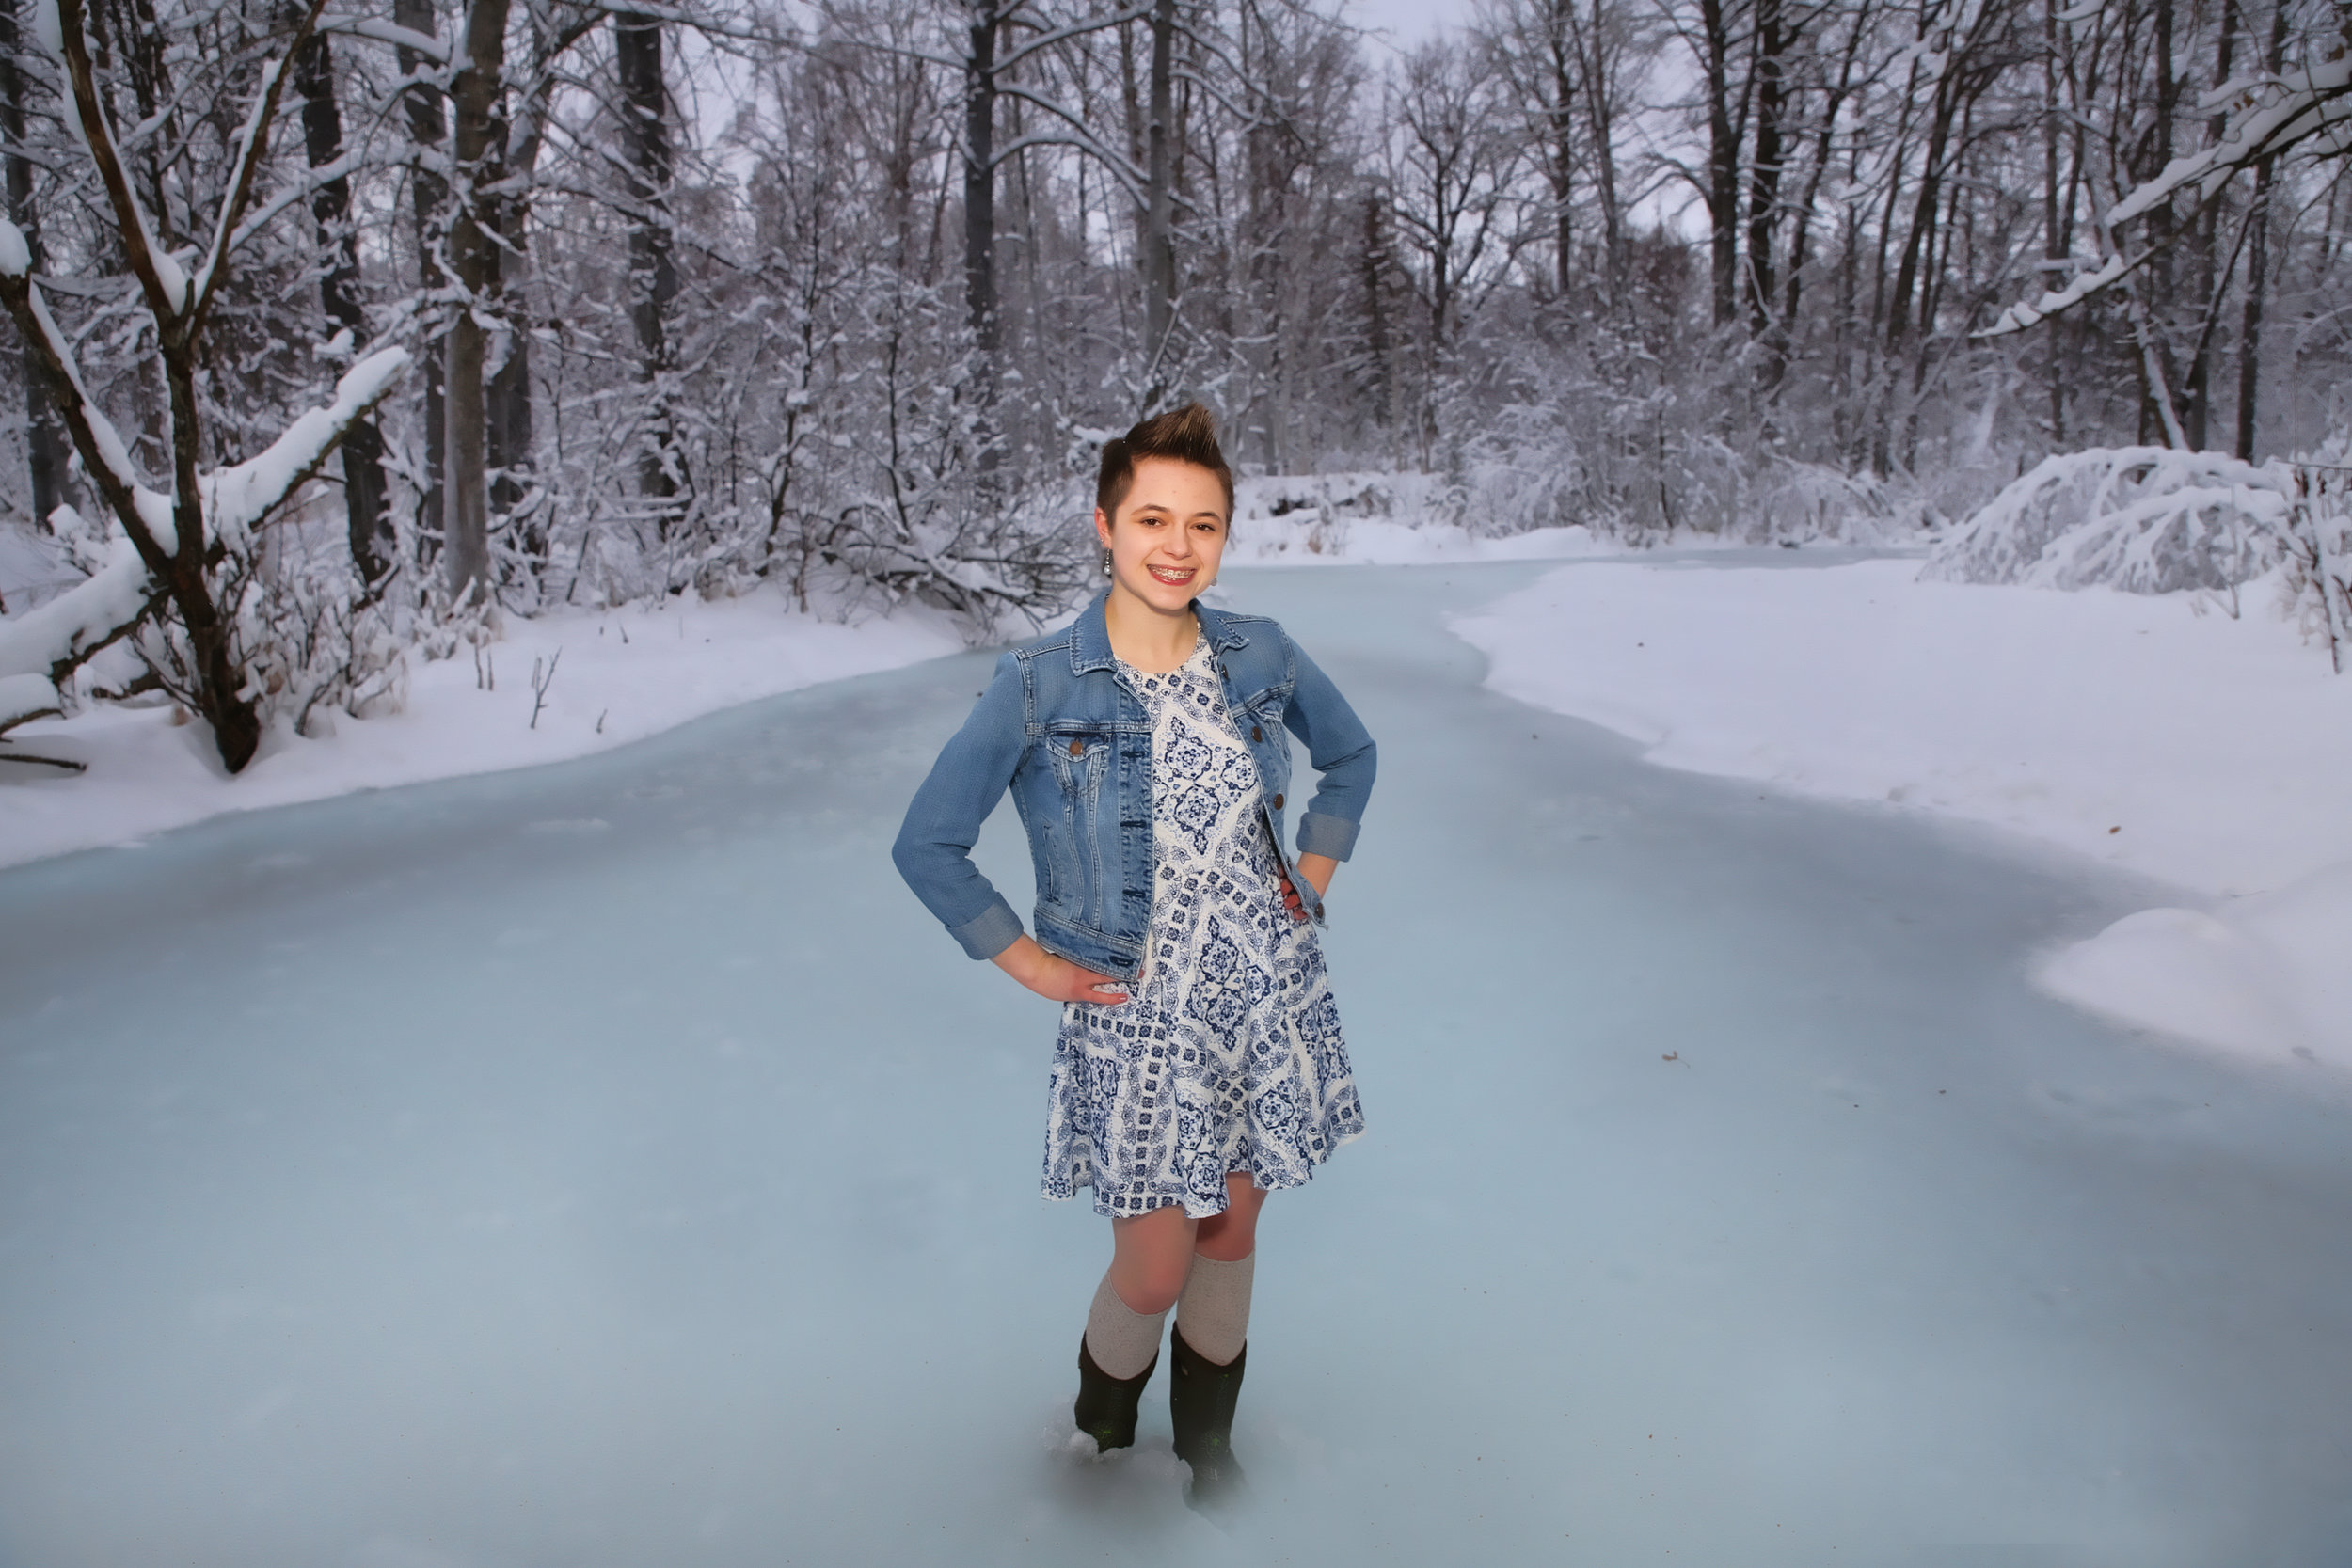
(1105, 1410)
(1200, 1399)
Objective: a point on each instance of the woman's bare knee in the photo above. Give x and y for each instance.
(1152, 1254)
(1232, 1236)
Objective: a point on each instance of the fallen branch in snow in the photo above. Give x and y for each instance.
(23, 699)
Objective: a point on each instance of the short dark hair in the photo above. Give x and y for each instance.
(1187, 434)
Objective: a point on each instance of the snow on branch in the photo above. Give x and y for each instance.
(51, 638)
(2143, 519)
(2303, 104)
(103, 447)
(1077, 136)
(2287, 111)
(425, 44)
(236, 499)
(1048, 39)
(46, 642)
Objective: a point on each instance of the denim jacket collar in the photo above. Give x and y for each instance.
(1090, 634)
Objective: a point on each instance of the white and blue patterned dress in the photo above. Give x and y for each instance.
(1227, 1055)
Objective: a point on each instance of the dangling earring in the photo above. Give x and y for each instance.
(1106, 561)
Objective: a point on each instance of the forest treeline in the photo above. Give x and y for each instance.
(844, 295)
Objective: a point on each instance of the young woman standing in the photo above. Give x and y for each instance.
(1200, 1064)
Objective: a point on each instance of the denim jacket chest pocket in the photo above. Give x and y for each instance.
(1077, 754)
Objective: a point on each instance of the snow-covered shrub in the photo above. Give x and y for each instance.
(1793, 502)
(2144, 519)
(2319, 552)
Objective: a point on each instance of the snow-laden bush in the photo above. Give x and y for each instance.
(2144, 519)
(2319, 550)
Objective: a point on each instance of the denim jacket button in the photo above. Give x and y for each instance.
(1076, 747)
(1256, 734)
(1278, 802)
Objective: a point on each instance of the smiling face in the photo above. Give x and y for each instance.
(1169, 536)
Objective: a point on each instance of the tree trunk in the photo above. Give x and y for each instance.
(2157, 299)
(652, 272)
(2206, 282)
(2054, 239)
(47, 447)
(1925, 206)
(1159, 221)
(1560, 159)
(979, 217)
(474, 259)
(1376, 311)
(1774, 41)
(367, 499)
(1723, 162)
(2257, 268)
(511, 445)
(428, 130)
(1801, 231)
(1600, 111)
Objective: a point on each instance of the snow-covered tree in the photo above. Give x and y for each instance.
(185, 546)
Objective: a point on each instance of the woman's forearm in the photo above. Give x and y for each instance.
(1317, 869)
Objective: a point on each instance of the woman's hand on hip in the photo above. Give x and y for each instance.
(1056, 978)
(1317, 871)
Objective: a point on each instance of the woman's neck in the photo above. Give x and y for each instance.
(1151, 640)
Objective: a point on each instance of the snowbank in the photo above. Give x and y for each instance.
(623, 675)
(2210, 752)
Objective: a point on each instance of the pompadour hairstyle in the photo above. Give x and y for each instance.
(1187, 434)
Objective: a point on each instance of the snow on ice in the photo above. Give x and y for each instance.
(2160, 734)
(619, 675)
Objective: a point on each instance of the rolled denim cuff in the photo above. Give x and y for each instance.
(996, 928)
(1321, 833)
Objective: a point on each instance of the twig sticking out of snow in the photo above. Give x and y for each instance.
(539, 685)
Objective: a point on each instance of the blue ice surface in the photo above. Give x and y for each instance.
(611, 1164)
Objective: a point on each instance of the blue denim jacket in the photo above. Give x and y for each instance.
(1060, 726)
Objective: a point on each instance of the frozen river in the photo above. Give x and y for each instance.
(611, 1164)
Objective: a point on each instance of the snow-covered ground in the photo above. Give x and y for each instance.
(2159, 734)
(619, 675)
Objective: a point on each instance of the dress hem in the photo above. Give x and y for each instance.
(1257, 1178)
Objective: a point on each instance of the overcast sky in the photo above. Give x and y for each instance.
(1407, 21)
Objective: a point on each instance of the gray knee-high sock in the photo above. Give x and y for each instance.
(1213, 1312)
(1122, 1340)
